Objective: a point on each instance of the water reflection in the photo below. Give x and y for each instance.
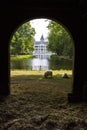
(40, 64)
(31, 64)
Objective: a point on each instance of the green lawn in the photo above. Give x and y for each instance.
(34, 81)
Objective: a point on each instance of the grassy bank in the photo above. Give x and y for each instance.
(19, 57)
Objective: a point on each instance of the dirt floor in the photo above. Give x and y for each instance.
(41, 104)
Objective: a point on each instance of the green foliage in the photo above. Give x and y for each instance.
(59, 62)
(22, 40)
(60, 41)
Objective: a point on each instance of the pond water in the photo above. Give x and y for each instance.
(41, 64)
(31, 64)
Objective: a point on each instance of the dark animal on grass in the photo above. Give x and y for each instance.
(48, 74)
(65, 75)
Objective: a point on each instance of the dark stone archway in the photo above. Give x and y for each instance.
(71, 13)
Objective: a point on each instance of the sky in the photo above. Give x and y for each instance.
(40, 26)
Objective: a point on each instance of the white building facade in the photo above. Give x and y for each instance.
(40, 49)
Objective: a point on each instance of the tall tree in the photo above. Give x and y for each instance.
(60, 41)
(22, 40)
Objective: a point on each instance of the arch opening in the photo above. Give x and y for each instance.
(55, 74)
